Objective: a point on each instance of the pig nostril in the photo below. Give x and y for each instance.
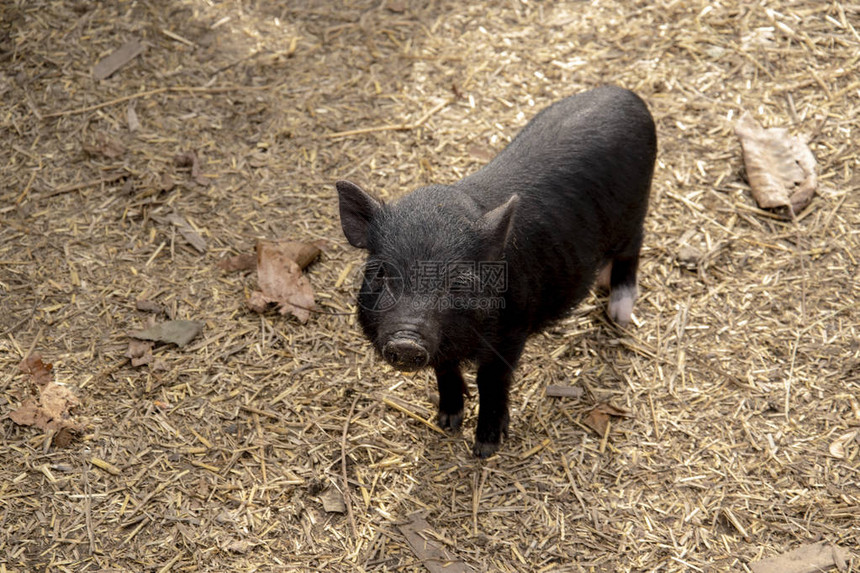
(405, 354)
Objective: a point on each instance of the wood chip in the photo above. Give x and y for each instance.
(557, 391)
(434, 557)
(332, 501)
(187, 231)
(123, 55)
(178, 332)
(809, 558)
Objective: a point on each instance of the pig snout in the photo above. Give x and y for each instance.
(406, 351)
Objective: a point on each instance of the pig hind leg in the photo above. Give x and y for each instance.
(623, 286)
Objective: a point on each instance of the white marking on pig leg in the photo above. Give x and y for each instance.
(621, 304)
(603, 276)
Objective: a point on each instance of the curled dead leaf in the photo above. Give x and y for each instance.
(780, 167)
(139, 351)
(280, 278)
(166, 182)
(52, 409)
(689, 257)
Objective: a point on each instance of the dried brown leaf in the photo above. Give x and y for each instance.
(689, 257)
(598, 417)
(36, 370)
(396, 6)
(139, 351)
(780, 167)
(65, 436)
(146, 305)
(280, 278)
(185, 159)
(238, 263)
(302, 253)
(51, 411)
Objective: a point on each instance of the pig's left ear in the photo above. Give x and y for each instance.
(357, 210)
(495, 225)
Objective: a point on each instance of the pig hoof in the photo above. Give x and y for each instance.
(450, 422)
(484, 450)
(621, 304)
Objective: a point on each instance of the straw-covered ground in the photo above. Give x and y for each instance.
(741, 370)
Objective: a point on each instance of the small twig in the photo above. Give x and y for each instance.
(566, 465)
(411, 414)
(346, 497)
(401, 127)
(18, 325)
(646, 349)
(34, 343)
(178, 38)
(788, 379)
(477, 492)
(85, 184)
(169, 565)
(169, 89)
(88, 512)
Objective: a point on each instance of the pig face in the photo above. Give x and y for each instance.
(435, 268)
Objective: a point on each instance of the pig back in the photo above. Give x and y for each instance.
(582, 168)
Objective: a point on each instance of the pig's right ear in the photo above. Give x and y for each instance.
(357, 210)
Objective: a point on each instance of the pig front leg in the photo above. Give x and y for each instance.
(451, 387)
(494, 384)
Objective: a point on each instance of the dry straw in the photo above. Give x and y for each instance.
(741, 370)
